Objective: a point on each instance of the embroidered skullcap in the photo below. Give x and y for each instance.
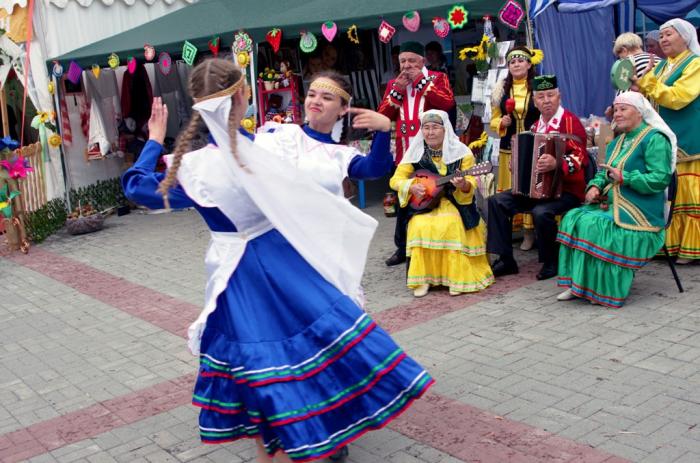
(413, 47)
(432, 117)
(545, 82)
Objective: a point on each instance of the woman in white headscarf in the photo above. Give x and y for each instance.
(445, 244)
(674, 86)
(621, 226)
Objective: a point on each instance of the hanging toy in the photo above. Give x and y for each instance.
(457, 17)
(308, 42)
(165, 64)
(57, 69)
(411, 21)
(113, 61)
(214, 44)
(386, 32)
(96, 70)
(511, 14)
(149, 52)
(329, 29)
(274, 38)
(243, 59)
(441, 27)
(352, 35)
(242, 42)
(131, 64)
(189, 52)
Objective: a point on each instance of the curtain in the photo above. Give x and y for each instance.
(661, 11)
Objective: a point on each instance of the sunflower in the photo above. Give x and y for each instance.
(55, 140)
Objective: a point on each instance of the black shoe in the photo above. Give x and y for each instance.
(396, 258)
(547, 271)
(339, 455)
(502, 267)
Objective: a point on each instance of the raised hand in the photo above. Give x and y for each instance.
(158, 122)
(370, 120)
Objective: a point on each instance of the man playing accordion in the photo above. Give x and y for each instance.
(571, 163)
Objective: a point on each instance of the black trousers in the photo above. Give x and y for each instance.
(503, 206)
(401, 228)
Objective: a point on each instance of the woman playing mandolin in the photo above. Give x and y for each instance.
(446, 243)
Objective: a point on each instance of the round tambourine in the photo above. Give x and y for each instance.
(621, 74)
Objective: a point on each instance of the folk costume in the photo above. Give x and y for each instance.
(286, 353)
(503, 206)
(603, 247)
(674, 88)
(446, 244)
(524, 115)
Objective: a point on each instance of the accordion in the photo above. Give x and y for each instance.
(526, 148)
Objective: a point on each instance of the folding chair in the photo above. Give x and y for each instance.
(672, 189)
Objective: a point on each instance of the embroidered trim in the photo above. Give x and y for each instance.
(225, 92)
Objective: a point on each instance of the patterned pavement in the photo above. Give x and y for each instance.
(94, 368)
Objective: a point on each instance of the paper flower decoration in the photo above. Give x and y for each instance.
(386, 31)
(243, 59)
(274, 38)
(308, 42)
(189, 52)
(352, 35)
(55, 140)
(8, 143)
(113, 61)
(149, 52)
(17, 167)
(165, 64)
(411, 21)
(511, 14)
(479, 53)
(329, 29)
(441, 27)
(242, 42)
(52, 87)
(457, 17)
(6, 201)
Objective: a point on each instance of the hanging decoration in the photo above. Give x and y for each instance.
(243, 59)
(242, 42)
(113, 61)
(57, 69)
(214, 44)
(411, 21)
(6, 198)
(488, 28)
(441, 27)
(149, 52)
(96, 70)
(74, 72)
(386, 32)
(55, 140)
(511, 14)
(329, 29)
(352, 35)
(189, 52)
(17, 167)
(308, 42)
(52, 87)
(274, 38)
(457, 17)
(165, 64)
(131, 64)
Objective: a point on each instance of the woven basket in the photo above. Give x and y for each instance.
(88, 224)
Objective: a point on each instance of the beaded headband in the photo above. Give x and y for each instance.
(519, 54)
(227, 91)
(334, 89)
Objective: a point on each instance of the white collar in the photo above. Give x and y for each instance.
(553, 123)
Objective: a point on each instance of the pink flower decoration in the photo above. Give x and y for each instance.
(17, 167)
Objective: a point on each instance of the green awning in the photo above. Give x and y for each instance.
(209, 18)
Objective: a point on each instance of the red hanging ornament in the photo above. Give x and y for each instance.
(214, 44)
(441, 27)
(457, 17)
(274, 38)
(386, 31)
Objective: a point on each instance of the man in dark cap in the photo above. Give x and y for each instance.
(412, 92)
(503, 206)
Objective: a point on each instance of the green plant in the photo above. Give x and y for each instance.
(101, 195)
(46, 220)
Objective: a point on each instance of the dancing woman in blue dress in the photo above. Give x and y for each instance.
(287, 355)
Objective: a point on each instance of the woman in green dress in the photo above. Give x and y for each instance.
(621, 226)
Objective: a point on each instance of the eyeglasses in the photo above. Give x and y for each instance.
(432, 127)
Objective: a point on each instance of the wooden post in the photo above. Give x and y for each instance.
(3, 111)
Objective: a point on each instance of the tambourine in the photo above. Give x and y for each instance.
(621, 74)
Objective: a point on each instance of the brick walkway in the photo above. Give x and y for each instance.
(93, 367)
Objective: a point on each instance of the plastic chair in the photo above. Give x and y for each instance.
(672, 188)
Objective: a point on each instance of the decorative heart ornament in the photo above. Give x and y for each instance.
(386, 31)
(214, 44)
(113, 61)
(165, 64)
(274, 38)
(411, 21)
(441, 27)
(329, 29)
(149, 52)
(308, 42)
(96, 70)
(131, 64)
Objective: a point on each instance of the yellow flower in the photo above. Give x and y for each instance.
(43, 117)
(480, 142)
(55, 140)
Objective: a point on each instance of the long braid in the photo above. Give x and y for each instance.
(183, 145)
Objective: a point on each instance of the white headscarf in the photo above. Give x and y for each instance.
(452, 148)
(687, 31)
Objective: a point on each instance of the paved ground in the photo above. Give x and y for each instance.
(94, 368)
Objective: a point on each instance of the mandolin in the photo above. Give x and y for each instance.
(435, 185)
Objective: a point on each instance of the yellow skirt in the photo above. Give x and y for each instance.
(504, 183)
(443, 253)
(683, 235)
